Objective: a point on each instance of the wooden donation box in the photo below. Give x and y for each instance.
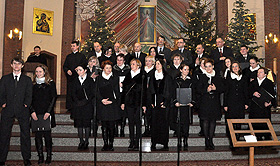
(29, 68)
(250, 135)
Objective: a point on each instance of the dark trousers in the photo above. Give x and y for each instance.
(69, 99)
(47, 136)
(134, 120)
(5, 130)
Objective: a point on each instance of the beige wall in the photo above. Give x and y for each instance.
(255, 6)
(49, 43)
(2, 35)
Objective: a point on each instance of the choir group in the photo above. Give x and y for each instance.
(114, 85)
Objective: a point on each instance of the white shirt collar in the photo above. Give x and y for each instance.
(200, 55)
(133, 74)
(75, 52)
(158, 75)
(18, 75)
(234, 76)
(147, 70)
(203, 70)
(177, 66)
(108, 56)
(82, 79)
(122, 66)
(226, 71)
(188, 77)
(98, 54)
(107, 77)
(160, 48)
(260, 81)
(257, 68)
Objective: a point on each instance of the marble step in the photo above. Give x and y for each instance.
(121, 154)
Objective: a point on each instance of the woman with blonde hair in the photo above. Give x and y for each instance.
(43, 101)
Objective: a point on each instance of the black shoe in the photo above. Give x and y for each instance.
(2, 163)
(105, 147)
(165, 148)
(147, 133)
(153, 147)
(201, 134)
(175, 134)
(211, 145)
(122, 133)
(27, 162)
(110, 147)
(207, 144)
(48, 159)
(81, 146)
(85, 146)
(131, 146)
(136, 148)
(41, 159)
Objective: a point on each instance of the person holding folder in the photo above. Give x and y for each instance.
(262, 94)
(42, 110)
(108, 103)
(183, 100)
(82, 94)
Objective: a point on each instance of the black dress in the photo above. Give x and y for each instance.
(108, 89)
(209, 103)
(250, 74)
(82, 95)
(236, 91)
(173, 71)
(43, 100)
(159, 91)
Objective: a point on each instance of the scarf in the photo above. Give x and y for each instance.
(107, 77)
(158, 76)
(40, 80)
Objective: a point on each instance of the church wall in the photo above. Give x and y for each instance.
(46, 42)
(2, 34)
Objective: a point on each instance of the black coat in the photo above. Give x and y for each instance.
(255, 110)
(132, 87)
(210, 107)
(188, 59)
(241, 59)
(236, 97)
(121, 72)
(215, 55)
(43, 100)
(40, 59)
(82, 96)
(204, 55)
(103, 58)
(127, 58)
(71, 62)
(15, 98)
(167, 54)
(173, 71)
(149, 75)
(250, 74)
(108, 89)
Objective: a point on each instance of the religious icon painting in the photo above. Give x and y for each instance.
(147, 24)
(43, 21)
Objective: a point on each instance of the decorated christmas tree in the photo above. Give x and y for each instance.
(242, 29)
(200, 28)
(100, 30)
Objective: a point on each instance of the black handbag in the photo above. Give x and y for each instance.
(41, 124)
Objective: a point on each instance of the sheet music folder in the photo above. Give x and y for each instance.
(184, 95)
(265, 97)
(107, 92)
(41, 124)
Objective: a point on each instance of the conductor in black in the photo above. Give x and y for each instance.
(15, 99)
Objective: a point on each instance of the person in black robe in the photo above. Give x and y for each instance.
(197, 73)
(71, 62)
(133, 98)
(149, 70)
(251, 72)
(244, 56)
(261, 110)
(93, 69)
(108, 55)
(159, 98)
(210, 87)
(36, 56)
(184, 81)
(82, 95)
(43, 101)
(236, 91)
(108, 105)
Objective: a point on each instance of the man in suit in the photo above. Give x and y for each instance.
(71, 62)
(187, 57)
(162, 50)
(219, 55)
(15, 99)
(98, 49)
(138, 54)
(116, 49)
(244, 57)
(37, 56)
(199, 54)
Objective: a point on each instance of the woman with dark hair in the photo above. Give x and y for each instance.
(236, 91)
(159, 99)
(82, 94)
(153, 52)
(43, 101)
(107, 55)
(108, 105)
(251, 72)
(209, 88)
(133, 89)
(184, 81)
(226, 69)
(261, 110)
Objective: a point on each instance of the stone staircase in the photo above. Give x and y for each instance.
(65, 142)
